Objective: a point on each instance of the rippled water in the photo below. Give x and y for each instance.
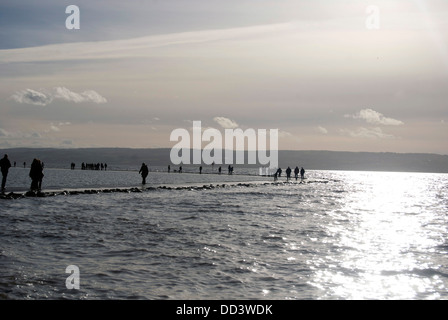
(339, 235)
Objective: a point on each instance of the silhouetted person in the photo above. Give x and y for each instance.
(200, 170)
(144, 172)
(105, 167)
(279, 172)
(24, 164)
(169, 168)
(219, 170)
(275, 175)
(180, 169)
(36, 175)
(296, 172)
(302, 173)
(5, 164)
(15, 164)
(288, 173)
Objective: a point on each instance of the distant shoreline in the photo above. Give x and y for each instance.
(120, 158)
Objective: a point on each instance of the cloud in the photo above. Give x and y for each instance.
(226, 123)
(373, 133)
(67, 142)
(54, 128)
(138, 47)
(284, 134)
(322, 130)
(44, 97)
(374, 117)
(30, 96)
(3, 133)
(92, 96)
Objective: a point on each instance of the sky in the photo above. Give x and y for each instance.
(342, 75)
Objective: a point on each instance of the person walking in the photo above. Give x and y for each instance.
(288, 173)
(36, 175)
(5, 164)
(144, 172)
(302, 173)
(296, 173)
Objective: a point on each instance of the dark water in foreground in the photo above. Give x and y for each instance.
(339, 235)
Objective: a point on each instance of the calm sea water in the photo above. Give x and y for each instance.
(338, 235)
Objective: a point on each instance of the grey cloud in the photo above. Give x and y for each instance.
(43, 98)
(30, 96)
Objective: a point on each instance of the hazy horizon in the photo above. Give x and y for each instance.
(169, 148)
(309, 159)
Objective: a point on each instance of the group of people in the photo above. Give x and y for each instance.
(230, 169)
(297, 171)
(91, 166)
(36, 173)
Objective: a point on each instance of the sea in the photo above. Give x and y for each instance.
(335, 235)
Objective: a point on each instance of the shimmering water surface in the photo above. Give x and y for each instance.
(338, 235)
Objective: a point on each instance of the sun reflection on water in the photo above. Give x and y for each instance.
(389, 216)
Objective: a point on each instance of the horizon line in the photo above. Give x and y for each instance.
(168, 148)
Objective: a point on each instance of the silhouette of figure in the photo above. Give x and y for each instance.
(180, 169)
(169, 168)
(144, 172)
(5, 164)
(296, 172)
(105, 167)
(275, 175)
(219, 170)
(24, 164)
(36, 175)
(15, 164)
(279, 172)
(200, 170)
(302, 173)
(288, 174)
